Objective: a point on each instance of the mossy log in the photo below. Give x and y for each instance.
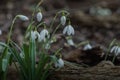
(103, 71)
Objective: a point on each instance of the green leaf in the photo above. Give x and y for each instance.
(44, 59)
(46, 72)
(5, 50)
(26, 52)
(53, 58)
(20, 61)
(4, 64)
(32, 51)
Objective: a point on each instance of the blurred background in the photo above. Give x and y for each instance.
(95, 20)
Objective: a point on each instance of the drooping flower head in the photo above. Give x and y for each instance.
(87, 47)
(39, 16)
(63, 20)
(34, 35)
(23, 17)
(43, 35)
(59, 63)
(115, 50)
(69, 30)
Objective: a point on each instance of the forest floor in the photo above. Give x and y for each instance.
(99, 29)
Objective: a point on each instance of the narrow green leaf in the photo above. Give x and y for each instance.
(4, 64)
(32, 51)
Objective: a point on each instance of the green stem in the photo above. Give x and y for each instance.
(9, 36)
(51, 25)
(55, 30)
(113, 59)
(64, 11)
(36, 9)
(11, 28)
(40, 24)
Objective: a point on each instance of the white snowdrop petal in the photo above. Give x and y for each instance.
(72, 31)
(0, 32)
(112, 49)
(43, 34)
(115, 50)
(70, 42)
(65, 30)
(39, 16)
(33, 35)
(59, 63)
(118, 51)
(69, 30)
(87, 47)
(36, 34)
(23, 17)
(39, 38)
(63, 20)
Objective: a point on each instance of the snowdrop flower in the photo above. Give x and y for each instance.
(115, 50)
(69, 30)
(63, 20)
(23, 17)
(34, 35)
(70, 42)
(39, 16)
(87, 47)
(37, 35)
(43, 34)
(59, 63)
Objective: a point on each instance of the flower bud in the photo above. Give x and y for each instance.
(63, 20)
(39, 16)
(23, 18)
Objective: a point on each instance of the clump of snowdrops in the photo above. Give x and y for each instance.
(36, 43)
(114, 50)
